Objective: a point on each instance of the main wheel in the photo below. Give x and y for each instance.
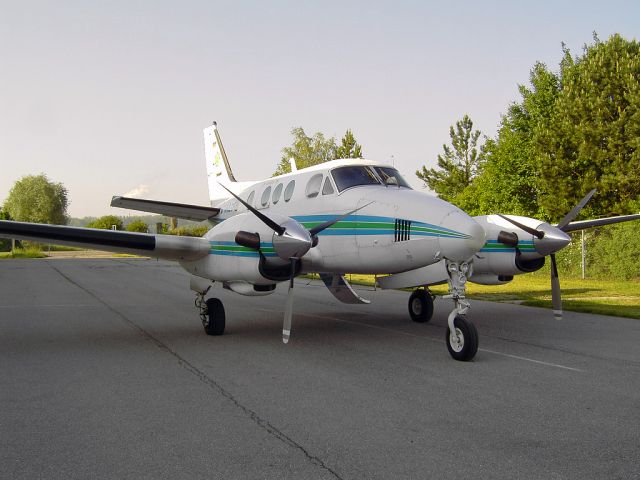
(463, 348)
(215, 317)
(420, 306)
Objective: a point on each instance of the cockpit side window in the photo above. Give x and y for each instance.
(327, 188)
(313, 186)
(391, 176)
(351, 176)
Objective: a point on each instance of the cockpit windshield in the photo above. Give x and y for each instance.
(347, 177)
(390, 176)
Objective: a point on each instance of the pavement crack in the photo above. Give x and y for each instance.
(210, 382)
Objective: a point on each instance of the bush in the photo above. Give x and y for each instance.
(106, 222)
(191, 231)
(137, 226)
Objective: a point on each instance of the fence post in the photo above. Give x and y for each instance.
(584, 257)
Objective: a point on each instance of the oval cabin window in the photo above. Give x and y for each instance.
(288, 192)
(277, 192)
(264, 200)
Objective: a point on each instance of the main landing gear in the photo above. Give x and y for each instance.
(211, 313)
(421, 305)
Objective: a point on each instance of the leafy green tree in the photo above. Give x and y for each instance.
(509, 178)
(593, 137)
(137, 226)
(458, 165)
(106, 222)
(349, 148)
(34, 198)
(308, 151)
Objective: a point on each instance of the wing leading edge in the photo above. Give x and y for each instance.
(168, 247)
(178, 210)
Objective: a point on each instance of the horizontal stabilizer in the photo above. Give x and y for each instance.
(169, 247)
(178, 210)
(584, 224)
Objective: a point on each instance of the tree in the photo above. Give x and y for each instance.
(508, 181)
(592, 138)
(34, 198)
(106, 222)
(137, 226)
(458, 165)
(349, 148)
(308, 151)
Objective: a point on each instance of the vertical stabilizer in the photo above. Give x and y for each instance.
(218, 168)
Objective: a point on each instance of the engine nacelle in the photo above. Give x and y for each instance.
(250, 290)
(484, 279)
(497, 259)
(230, 262)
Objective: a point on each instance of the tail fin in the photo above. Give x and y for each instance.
(218, 168)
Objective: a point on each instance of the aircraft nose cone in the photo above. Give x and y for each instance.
(554, 239)
(463, 236)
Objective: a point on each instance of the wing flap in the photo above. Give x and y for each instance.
(179, 210)
(168, 247)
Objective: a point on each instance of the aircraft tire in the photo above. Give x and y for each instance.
(420, 306)
(215, 313)
(468, 347)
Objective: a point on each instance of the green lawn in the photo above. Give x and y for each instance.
(607, 297)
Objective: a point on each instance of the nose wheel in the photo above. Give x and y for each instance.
(463, 344)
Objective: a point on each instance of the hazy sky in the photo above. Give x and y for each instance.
(110, 97)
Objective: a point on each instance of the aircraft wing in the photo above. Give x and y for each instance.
(178, 210)
(584, 224)
(169, 247)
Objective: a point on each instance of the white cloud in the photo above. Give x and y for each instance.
(138, 191)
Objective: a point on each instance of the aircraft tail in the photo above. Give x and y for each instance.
(218, 168)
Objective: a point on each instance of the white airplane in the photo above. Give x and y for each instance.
(343, 216)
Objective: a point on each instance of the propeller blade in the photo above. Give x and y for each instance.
(532, 231)
(323, 226)
(288, 310)
(568, 218)
(266, 220)
(556, 295)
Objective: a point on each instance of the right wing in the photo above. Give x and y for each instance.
(598, 222)
(178, 210)
(168, 247)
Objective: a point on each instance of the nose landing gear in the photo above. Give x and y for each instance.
(462, 336)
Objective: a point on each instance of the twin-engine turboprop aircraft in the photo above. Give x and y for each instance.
(343, 216)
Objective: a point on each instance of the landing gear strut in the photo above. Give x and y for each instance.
(211, 313)
(462, 336)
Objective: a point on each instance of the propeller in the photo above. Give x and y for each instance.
(291, 241)
(554, 241)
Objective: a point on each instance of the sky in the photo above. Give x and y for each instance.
(110, 97)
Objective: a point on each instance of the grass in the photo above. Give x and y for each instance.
(619, 298)
(28, 252)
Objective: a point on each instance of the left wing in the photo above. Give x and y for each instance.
(178, 210)
(168, 247)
